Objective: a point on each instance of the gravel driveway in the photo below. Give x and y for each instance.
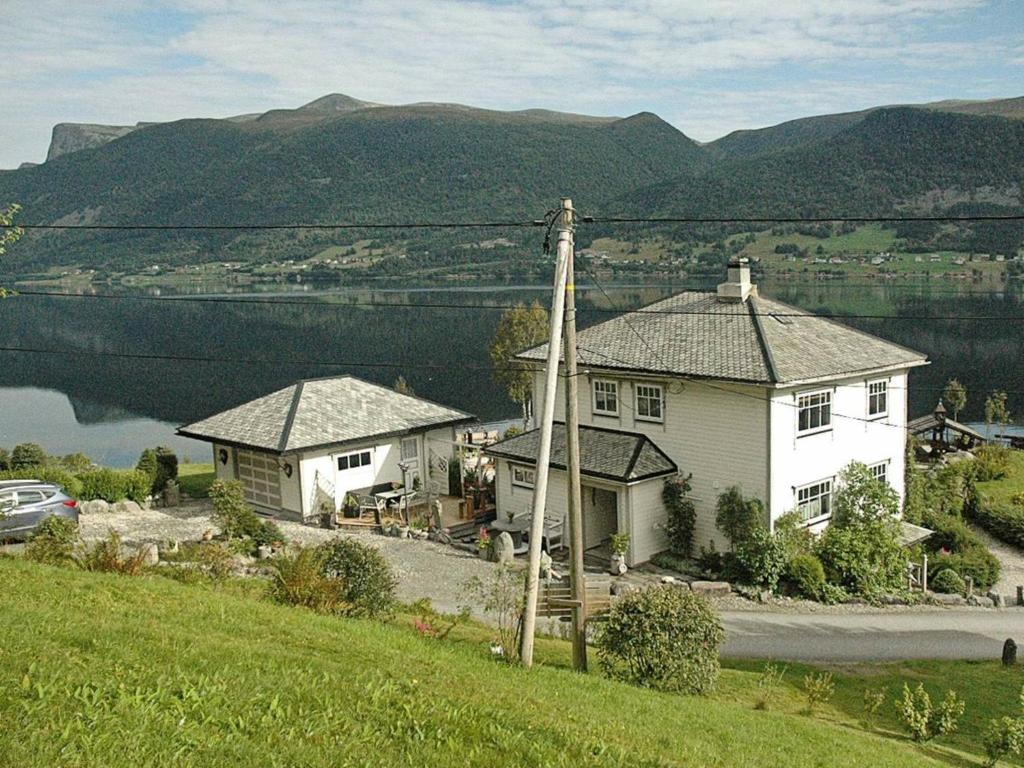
(423, 568)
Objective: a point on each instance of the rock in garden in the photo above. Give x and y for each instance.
(504, 548)
(1009, 652)
(150, 554)
(942, 599)
(712, 588)
(94, 507)
(996, 598)
(264, 552)
(127, 507)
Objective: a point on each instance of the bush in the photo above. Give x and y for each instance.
(951, 533)
(991, 462)
(737, 517)
(53, 542)
(864, 557)
(57, 475)
(807, 574)
(28, 455)
(299, 579)
(368, 583)
(502, 595)
(216, 560)
(237, 520)
(862, 498)
(761, 558)
(923, 720)
(948, 582)
(1003, 520)
(977, 562)
(682, 514)
(166, 469)
(109, 555)
(663, 638)
(1003, 737)
(115, 484)
(147, 463)
(819, 689)
(5, 460)
(76, 462)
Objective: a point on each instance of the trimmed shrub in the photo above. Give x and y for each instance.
(147, 463)
(166, 469)
(807, 575)
(57, 475)
(865, 557)
(977, 562)
(663, 638)
(115, 484)
(761, 558)
(53, 542)
(682, 514)
(737, 517)
(948, 582)
(367, 581)
(28, 455)
(1003, 520)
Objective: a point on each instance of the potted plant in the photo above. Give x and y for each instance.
(484, 543)
(620, 545)
(350, 506)
(327, 516)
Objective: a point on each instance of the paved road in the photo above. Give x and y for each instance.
(890, 636)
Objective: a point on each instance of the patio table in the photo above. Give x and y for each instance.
(516, 527)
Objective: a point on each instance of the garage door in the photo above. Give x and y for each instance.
(259, 477)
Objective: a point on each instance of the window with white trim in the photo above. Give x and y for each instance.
(814, 501)
(410, 449)
(523, 476)
(878, 398)
(354, 460)
(650, 402)
(815, 412)
(606, 397)
(880, 471)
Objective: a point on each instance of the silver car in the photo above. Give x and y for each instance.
(24, 504)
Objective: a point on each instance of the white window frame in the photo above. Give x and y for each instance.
(828, 484)
(610, 391)
(522, 475)
(880, 471)
(826, 393)
(348, 460)
(885, 395)
(409, 441)
(660, 418)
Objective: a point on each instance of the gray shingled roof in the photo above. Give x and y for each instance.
(758, 341)
(605, 453)
(321, 412)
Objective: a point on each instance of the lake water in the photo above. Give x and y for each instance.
(110, 408)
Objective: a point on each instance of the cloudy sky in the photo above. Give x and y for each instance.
(707, 66)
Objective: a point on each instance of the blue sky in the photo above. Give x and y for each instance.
(707, 67)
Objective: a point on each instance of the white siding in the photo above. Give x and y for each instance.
(647, 518)
(798, 461)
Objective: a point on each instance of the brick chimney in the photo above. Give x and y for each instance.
(737, 286)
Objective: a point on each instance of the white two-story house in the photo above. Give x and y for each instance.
(730, 387)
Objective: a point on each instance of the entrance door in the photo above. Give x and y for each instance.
(600, 515)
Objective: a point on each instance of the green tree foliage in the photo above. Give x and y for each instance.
(237, 520)
(27, 455)
(682, 514)
(1005, 736)
(663, 638)
(923, 720)
(166, 469)
(147, 464)
(861, 496)
(5, 460)
(761, 557)
(76, 462)
(368, 583)
(996, 409)
(738, 517)
(520, 328)
(954, 396)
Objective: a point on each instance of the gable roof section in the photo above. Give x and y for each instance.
(321, 412)
(760, 341)
(609, 454)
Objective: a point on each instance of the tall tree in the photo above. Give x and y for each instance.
(520, 328)
(955, 397)
(996, 410)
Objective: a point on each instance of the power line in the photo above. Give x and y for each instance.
(502, 307)
(793, 219)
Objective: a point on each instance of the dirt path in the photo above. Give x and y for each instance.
(1012, 561)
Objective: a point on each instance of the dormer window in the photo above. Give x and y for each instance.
(606, 397)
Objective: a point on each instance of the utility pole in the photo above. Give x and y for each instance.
(577, 582)
(540, 486)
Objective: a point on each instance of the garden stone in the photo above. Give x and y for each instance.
(127, 507)
(504, 548)
(712, 588)
(94, 507)
(893, 600)
(264, 552)
(942, 599)
(150, 554)
(621, 587)
(996, 598)
(1009, 652)
(668, 580)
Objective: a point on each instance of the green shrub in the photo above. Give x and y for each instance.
(862, 498)
(923, 720)
(682, 514)
(991, 462)
(950, 533)
(671, 562)
(710, 559)
(5, 460)
(1004, 520)
(216, 559)
(819, 689)
(166, 469)
(737, 517)
(57, 475)
(1003, 737)
(807, 574)
(147, 463)
(237, 520)
(368, 583)
(111, 556)
(115, 484)
(948, 582)
(53, 542)
(28, 455)
(761, 558)
(664, 638)
(76, 462)
(299, 579)
(864, 557)
(977, 562)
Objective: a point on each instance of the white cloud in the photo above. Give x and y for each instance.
(91, 61)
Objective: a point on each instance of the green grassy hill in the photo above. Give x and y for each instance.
(102, 670)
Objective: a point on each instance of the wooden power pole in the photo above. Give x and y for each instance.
(577, 582)
(540, 486)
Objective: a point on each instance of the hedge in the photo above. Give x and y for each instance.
(56, 475)
(1004, 520)
(114, 485)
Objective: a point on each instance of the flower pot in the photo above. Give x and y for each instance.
(617, 567)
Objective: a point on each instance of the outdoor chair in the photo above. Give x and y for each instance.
(371, 508)
(554, 530)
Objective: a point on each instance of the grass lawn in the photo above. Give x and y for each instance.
(196, 479)
(1003, 491)
(105, 670)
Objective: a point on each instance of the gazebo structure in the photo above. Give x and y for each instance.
(944, 434)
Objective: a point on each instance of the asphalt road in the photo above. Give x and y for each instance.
(889, 636)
